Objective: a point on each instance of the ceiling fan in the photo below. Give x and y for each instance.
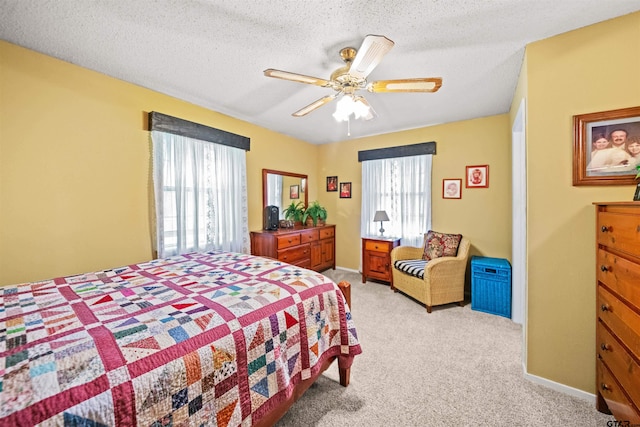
(352, 77)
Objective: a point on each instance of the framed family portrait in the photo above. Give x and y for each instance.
(451, 188)
(294, 191)
(332, 183)
(345, 190)
(606, 147)
(477, 176)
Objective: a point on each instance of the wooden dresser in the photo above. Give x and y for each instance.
(376, 257)
(308, 247)
(618, 310)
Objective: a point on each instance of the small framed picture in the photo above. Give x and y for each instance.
(345, 190)
(477, 176)
(294, 191)
(451, 188)
(332, 183)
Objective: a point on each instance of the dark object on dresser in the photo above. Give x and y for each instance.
(270, 219)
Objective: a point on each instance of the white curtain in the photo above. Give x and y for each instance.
(200, 196)
(401, 186)
(274, 191)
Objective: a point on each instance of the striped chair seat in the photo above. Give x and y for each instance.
(414, 267)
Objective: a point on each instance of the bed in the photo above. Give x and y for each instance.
(213, 338)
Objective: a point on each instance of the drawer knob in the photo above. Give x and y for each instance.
(604, 386)
(290, 240)
(605, 347)
(604, 268)
(605, 228)
(605, 307)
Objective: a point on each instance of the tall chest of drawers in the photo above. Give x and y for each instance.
(308, 247)
(618, 310)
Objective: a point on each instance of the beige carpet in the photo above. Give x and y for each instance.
(453, 367)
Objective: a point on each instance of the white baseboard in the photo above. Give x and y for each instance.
(562, 388)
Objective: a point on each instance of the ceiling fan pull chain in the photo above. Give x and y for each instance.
(349, 126)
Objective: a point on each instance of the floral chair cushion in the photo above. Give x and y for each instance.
(440, 244)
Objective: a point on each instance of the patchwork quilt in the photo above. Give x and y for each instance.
(215, 339)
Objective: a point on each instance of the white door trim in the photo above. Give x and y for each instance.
(519, 221)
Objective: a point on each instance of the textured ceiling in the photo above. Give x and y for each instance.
(212, 52)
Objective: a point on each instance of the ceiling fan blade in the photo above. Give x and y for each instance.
(429, 84)
(373, 49)
(301, 78)
(314, 105)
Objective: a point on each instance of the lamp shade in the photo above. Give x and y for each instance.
(381, 216)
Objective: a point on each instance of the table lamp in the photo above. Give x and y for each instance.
(381, 216)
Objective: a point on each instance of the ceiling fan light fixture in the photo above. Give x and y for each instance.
(361, 109)
(348, 105)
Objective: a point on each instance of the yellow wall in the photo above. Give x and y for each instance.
(75, 165)
(482, 214)
(589, 70)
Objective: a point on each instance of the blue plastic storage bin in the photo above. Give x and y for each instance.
(491, 285)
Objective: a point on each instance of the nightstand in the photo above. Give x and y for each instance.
(376, 257)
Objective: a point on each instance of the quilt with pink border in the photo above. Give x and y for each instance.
(214, 338)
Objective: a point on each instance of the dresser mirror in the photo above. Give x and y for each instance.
(281, 188)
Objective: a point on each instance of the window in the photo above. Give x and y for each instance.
(201, 197)
(401, 186)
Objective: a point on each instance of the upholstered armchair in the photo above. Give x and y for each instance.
(432, 281)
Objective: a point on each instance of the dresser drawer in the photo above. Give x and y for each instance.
(294, 254)
(620, 275)
(288, 241)
(622, 366)
(621, 319)
(379, 246)
(616, 400)
(309, 236)
(325, 233)
(619, 231)
(304, 263)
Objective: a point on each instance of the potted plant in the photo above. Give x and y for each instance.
(294, 212)
(314, 214)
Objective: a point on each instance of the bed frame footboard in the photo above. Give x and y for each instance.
(345, 373)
